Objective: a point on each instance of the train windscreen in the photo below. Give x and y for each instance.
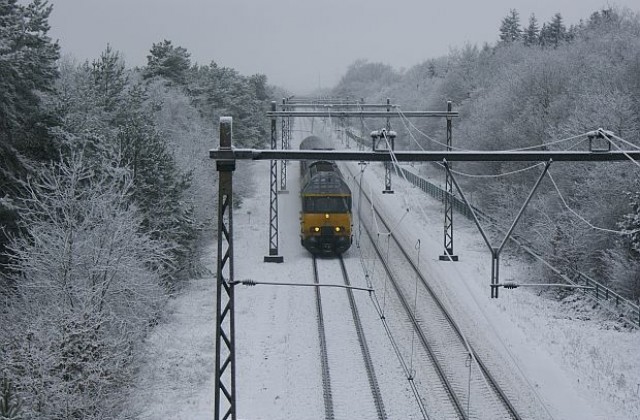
(326, 204)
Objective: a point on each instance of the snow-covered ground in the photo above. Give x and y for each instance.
(577, 363)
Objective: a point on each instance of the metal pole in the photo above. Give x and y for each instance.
(362, 128)
(283, 163)
(387, 165)
(473, 213)
(495, 272)
(225, 370)
(448, 202)
(273, 208)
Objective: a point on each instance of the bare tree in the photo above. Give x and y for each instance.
(87, 289)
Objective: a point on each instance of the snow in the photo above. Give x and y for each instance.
(562, 359)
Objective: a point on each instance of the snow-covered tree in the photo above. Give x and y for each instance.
(532, 32)
(86, 290)
(553, 33)
(27, 64)
(110, 79)
(218, 91)
(631, 222)
(510, 27)
(27, 71)
(112, 119)
(169, 62)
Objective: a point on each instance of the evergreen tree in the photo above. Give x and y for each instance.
(168, 61)
(110, 79)
(555, 32)
(603, 17)
(27, 65)
(158, 184)
(218, 91)
(532, 33)
(113, 119)
(510, 28)
(27, 70)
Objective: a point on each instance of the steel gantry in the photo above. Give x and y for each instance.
(285, 134)
(390, 141)
(341, 110)
(448, 254)
(324, 108)
(226, 156)
(273, 196)
(225, 374)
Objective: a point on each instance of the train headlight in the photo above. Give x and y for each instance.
(326, 215)
(316, 229)
(338, 228)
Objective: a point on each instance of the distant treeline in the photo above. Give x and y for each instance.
(540, 88)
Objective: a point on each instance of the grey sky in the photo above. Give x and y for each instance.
(298, 44)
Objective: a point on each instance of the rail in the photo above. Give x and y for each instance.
(449, 323)
(324, 359)
(364, 348)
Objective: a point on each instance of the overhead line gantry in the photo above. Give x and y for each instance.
(336, 108)
(226, 156)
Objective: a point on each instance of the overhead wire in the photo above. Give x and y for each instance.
(380, 309)
(635, 162)
(396, 165)
(464, 338)
(445, 295)
(554, 142)
(404, 119)
(471, 355)
(521, 149)
(394, 159)
(503, 174)
(592, 226)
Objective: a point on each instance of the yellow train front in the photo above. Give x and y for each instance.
(325, 221)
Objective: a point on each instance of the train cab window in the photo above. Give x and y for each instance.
(326, 204)
(322, 166)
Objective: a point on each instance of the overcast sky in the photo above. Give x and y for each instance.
(298, 44)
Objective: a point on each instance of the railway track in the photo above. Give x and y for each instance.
(446, 361)
(344, 368)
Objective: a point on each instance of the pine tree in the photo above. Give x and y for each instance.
(556, 31)
(531, 35)
(168, 61)
(27, 63)
(28, 69)
(510, 28)
(110, 79)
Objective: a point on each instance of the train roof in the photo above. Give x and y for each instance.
(315, 143)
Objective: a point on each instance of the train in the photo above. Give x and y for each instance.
(325, 218)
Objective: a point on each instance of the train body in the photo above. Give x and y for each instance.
(325, 220)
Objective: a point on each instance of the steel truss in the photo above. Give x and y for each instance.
(225, 374)
(273, 196)
(428, 156)
(448, 254)
(387, 165)
(326, 112)
(285, 134)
